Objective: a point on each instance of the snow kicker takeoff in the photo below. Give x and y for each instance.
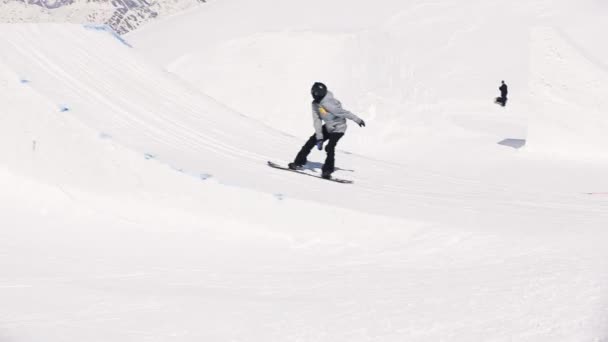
(329, 121)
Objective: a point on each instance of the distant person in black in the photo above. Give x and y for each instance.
(502, 100)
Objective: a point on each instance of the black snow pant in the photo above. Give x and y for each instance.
(502, 100)
(333, 138)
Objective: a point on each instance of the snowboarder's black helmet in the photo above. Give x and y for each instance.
(318, 91)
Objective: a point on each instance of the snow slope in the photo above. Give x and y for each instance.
(136, 207)
(569, 95)
(420, 72)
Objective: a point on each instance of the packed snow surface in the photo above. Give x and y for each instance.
(136, 203)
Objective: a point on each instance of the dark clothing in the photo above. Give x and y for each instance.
(503, 91)
(502, 100)
(333, 138)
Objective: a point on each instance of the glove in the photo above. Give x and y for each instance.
(361, 123)
(320, 144)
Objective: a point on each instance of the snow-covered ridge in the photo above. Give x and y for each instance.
(121, 16)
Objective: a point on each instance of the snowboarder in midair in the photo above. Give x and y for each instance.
(329, 120)
(502, 100)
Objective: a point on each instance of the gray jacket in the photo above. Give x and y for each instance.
(330, 111)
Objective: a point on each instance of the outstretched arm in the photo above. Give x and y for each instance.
(335, 107)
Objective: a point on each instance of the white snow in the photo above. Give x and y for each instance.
(419, 71)
(136, 207)
(569, 117)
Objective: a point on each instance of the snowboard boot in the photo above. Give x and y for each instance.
(294, 166)
(326, 175)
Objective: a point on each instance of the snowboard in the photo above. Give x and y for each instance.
(333, 179)
(499, 101)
